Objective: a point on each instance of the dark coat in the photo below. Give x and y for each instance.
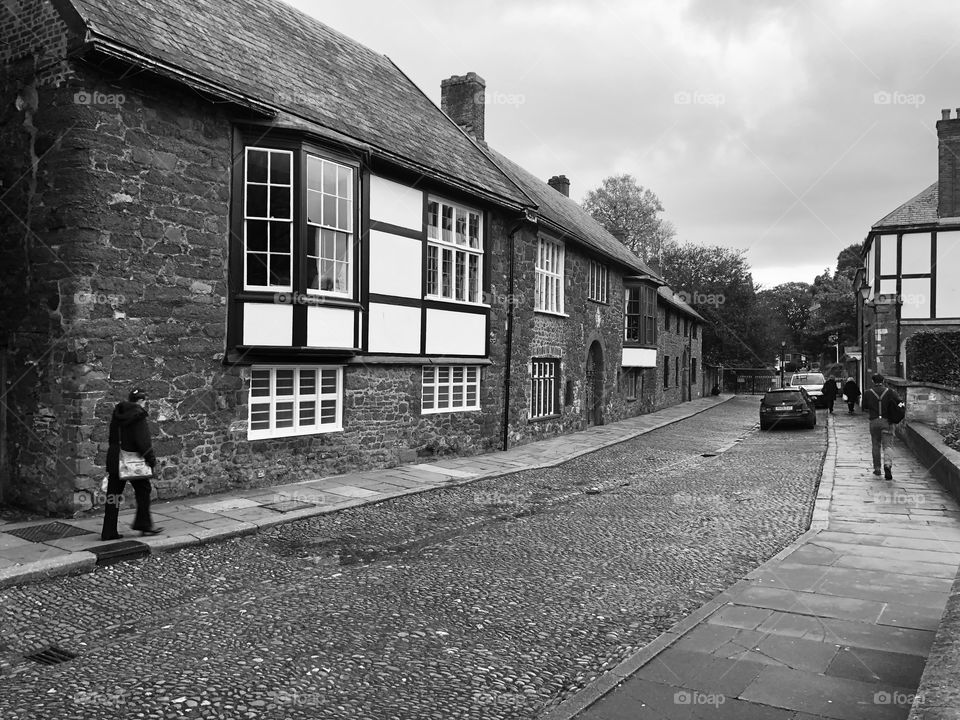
(852, 391)
(830, 389)
(871, 401)
(129, 424)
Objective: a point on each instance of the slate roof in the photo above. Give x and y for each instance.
(568, 218)
(918, 210)
(678, 302)
(279, 57)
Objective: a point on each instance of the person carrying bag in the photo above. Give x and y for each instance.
(130, 456)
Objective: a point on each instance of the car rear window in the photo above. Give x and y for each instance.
(782, 397)
(808, 379)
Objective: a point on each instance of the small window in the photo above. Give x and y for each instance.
(450, 388)
(633, 383)
(666, 372)
(287, 401)
(549, 277)
(454, 252)
(676, 373)
(598, 282)
(544, 387)
(693, 330)
(693, 369)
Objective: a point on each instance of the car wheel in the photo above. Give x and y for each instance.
(813, 420)
(764, 425)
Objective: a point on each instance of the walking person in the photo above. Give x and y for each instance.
(852, 393)
(129, 431)
(830, 391)
(882, 404)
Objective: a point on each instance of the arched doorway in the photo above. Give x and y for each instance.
(593, 385)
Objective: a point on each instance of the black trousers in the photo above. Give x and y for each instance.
(115, 486)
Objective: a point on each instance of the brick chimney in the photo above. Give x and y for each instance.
(948, 177)
(462, 98)
(560, 184)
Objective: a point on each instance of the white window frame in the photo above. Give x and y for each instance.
(549, 276)
(599, 282)
(271, 400)
(340, 225)
(544, 388)
(267, 218)
(441, 378)
(462, 254)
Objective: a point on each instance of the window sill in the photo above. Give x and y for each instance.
(274, 435)
(450, 301)
(598, 302)
(448, 411)
(544, 418)
(550, 312)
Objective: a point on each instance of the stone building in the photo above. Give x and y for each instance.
(908, 280)
(308, 266)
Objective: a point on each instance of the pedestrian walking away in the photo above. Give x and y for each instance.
(851, 392)
(830, 391)
(129, 432)
(882, 405)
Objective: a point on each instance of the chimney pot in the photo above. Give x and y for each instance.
(945, 114)
(462, 99)
(560, 183)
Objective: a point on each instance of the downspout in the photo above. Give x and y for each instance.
(508, 363)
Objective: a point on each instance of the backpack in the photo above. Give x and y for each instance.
(895, 413)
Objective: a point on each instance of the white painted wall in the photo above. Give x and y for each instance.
(948, 285)
(455, 333)
(267, 324)
(915, 253)
(394, 329)
(639, 357)
(329, 327)
(915, 294)
(396, 264)
(397, 204)
(888, 254)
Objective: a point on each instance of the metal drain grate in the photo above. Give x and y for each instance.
(52, 655)
(48, 531)
(289, 506)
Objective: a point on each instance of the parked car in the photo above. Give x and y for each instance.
(787, 406)
(811, 382)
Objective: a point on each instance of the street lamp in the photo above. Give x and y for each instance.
(835, 339)
(783, 350)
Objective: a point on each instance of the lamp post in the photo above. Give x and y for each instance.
(835, 339)
(783, 350)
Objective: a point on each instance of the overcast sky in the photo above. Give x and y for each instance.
(785, 128)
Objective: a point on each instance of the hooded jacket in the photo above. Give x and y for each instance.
(128, 426)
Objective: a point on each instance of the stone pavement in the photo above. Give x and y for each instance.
(837, 625)
(39, 549)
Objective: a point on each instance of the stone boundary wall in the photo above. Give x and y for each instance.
(927, 402)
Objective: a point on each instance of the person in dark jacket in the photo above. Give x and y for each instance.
(129, 431)
(852, 392)
(877, 402)
(830, 391)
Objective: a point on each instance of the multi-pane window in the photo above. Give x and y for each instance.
(633, 380)
(544, 387)
(329, 226)
(449, 388)
(294, 401)
(598, 282)
(268, 219)
(454, 252)
(273, 248)
(640, 315)
(549, 279)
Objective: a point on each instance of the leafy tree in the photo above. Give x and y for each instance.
(630, 212)
(787, 309)
(849, 261)
(834, 310)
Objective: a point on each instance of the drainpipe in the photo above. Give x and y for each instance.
(508, 363)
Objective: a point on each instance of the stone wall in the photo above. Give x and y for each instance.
(927, 402)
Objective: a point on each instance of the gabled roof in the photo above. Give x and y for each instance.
(918, 210)
(277, 59)
(568, 218)
(678, 302)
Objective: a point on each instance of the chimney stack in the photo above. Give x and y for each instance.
(560, 184)
(948, 170)
(462, 98)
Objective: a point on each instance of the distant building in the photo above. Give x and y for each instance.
(908, 282)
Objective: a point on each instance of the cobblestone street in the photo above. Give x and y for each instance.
(496, 599)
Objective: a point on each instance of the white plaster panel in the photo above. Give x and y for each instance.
(267, 324)
(455, 333)
(639, 357)
(948, 287)
(329, 327)
(396, 264)
(915, 295)
(888, 254)
(397, 204)
(393, 329)
(915, 253)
